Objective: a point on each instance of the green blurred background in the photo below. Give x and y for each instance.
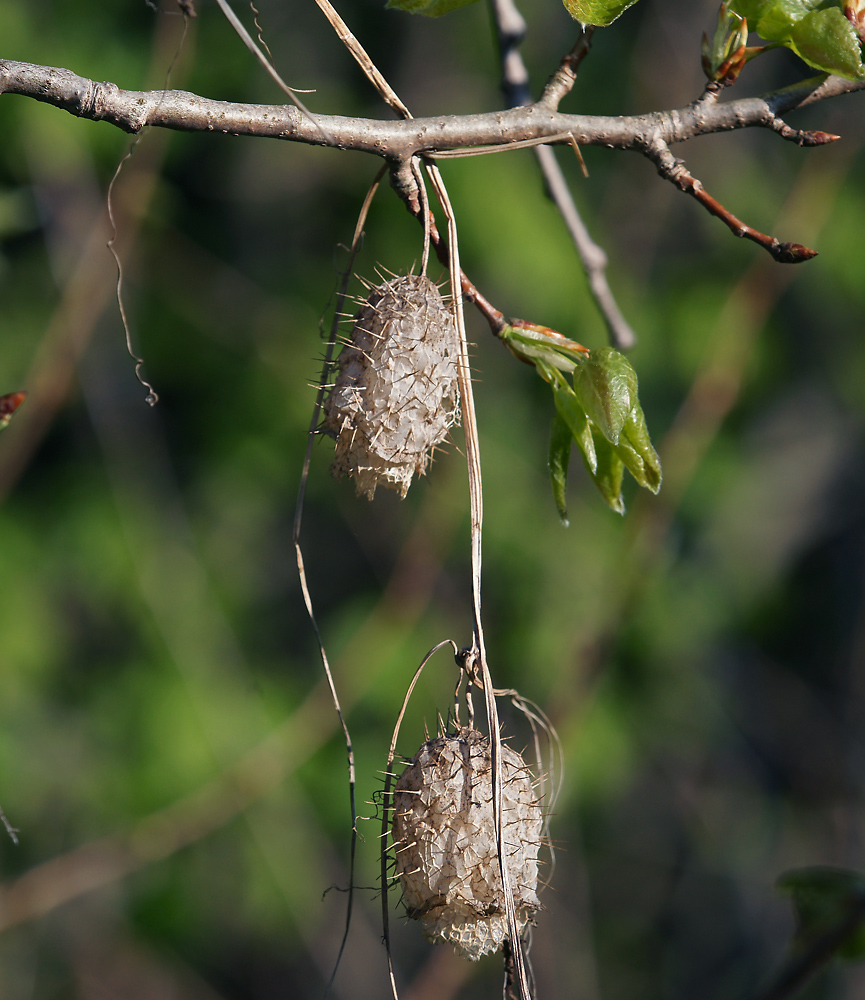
(167, 749)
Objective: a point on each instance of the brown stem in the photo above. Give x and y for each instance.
(405, 183)
(803, 137)
(493, 316)
(677, 173)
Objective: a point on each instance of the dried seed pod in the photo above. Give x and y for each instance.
(396, 394)
(445, 842)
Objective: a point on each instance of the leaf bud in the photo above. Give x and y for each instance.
(854, 11)
(726, 54)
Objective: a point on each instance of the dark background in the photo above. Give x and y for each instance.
(166, 746)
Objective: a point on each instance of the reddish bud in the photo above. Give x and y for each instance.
(8, 405)
(792, 253)
(854, 11)
(818, 138)
(724, 56)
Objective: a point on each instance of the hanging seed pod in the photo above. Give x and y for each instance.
(445, 842)
(396, 394)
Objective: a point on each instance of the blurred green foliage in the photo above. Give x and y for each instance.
(161, 698)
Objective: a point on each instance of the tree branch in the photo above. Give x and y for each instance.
(510, 28)
(677, 173)
(132, 110)
(398, 141)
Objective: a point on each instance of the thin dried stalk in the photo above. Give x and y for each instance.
(478, 652)
(298, 518)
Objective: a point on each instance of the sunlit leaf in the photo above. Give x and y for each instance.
(599, 12)
(560, 457)
(776, 20)
(636, 451)
(574, 416)
(606, 386)
(826, 40)
(429, 8)
(816, 30)
(610, 472)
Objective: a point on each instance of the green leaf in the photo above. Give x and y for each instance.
(560, 456)
(826, 40)
(752, 9)
(816, 30)
(636, 451)
(826, 900)
(429, 8)
(574, 416)
(777, 20)
(610, 472)
(600, 412)
(598, 12)
(606, 386)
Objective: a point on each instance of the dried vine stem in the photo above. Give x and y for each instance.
(301, 569)
(387, 807)
(407, 176)
(476, 658)
(269, 68)
(361, 56)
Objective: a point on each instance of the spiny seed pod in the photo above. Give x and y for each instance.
(445, 841)
(396, 394)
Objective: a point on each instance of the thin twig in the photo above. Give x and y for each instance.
(675, 171)
(561, 83)
(361, 57)
(515, 84)
(292, 93)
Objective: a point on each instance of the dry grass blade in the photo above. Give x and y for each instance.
(361, 57)
(478, 652)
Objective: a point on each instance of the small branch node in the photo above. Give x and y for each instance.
(802, 137)
(561, 83)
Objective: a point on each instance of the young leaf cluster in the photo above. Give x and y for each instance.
(597, 408)
(826, 34)
(822, 32)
